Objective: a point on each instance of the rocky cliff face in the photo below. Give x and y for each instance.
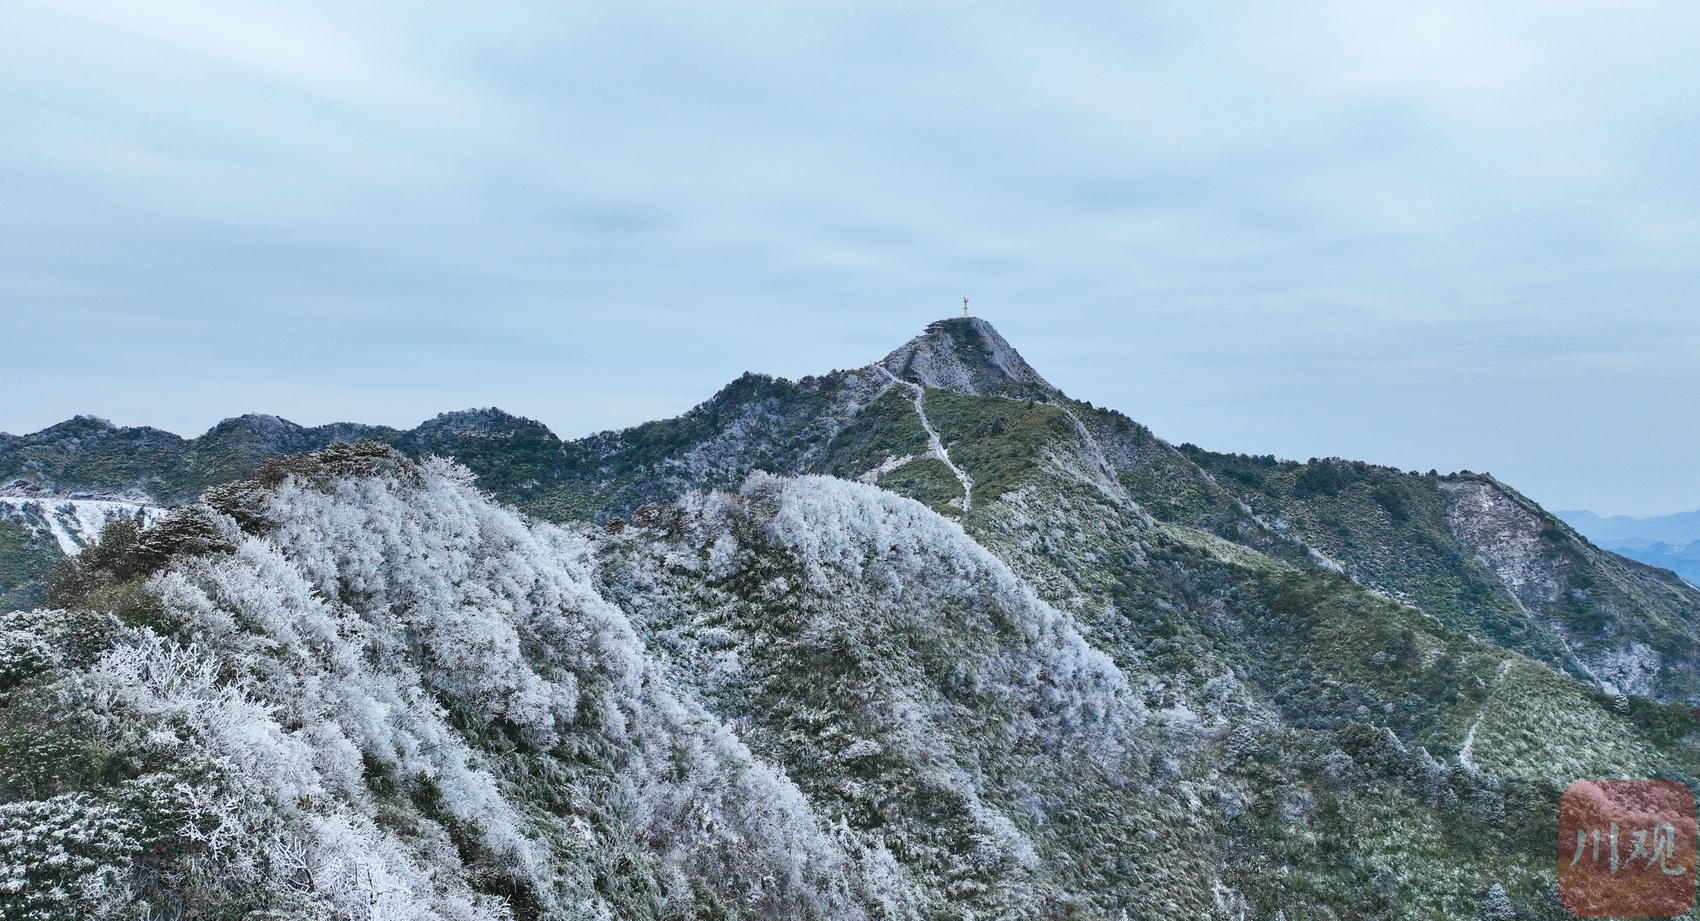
(967, 356)
(921, 640)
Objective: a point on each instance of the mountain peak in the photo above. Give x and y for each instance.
(967, 355)
(482, 423)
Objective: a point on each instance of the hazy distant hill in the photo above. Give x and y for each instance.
(921, 640)
(1668, 541)
(1681, 528)
(1682, 559)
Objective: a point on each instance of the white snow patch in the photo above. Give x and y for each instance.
(891, 462)
(74, 523)
(1628, 671)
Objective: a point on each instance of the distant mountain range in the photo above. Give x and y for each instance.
(1668, 541)
(1681, 528)
(926, 639)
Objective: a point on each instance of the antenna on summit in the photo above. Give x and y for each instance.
(965, 302)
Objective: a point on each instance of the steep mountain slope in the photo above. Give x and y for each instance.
(37, 532)
(1682, 559)
(1464, 548)
(1307, 657)
(356, 682)
(926, 639)
(1485, 560)
(968, 356)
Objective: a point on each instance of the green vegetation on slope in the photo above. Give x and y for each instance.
(997, 440)
(887, 428)
(26, 559)
(928, 481)
(1341, 718)
(1481, 559)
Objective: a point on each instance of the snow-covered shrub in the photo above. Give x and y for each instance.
(23, 651)
(372, 693)
(67, 856)
(903, 675)
(855, 539)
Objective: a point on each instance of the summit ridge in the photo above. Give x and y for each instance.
(967, 355)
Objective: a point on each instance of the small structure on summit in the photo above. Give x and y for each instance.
(964, 302)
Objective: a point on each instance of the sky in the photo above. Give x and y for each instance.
(1430, 235)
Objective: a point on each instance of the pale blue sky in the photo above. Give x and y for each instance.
(1437, 234)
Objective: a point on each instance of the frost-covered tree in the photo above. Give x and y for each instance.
(1496, 905)
(355, 687)
(379, 695)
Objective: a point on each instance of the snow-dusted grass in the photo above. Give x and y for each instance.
(1533, 724)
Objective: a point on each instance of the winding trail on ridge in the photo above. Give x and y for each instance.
(1466, 755)
(935, 445)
